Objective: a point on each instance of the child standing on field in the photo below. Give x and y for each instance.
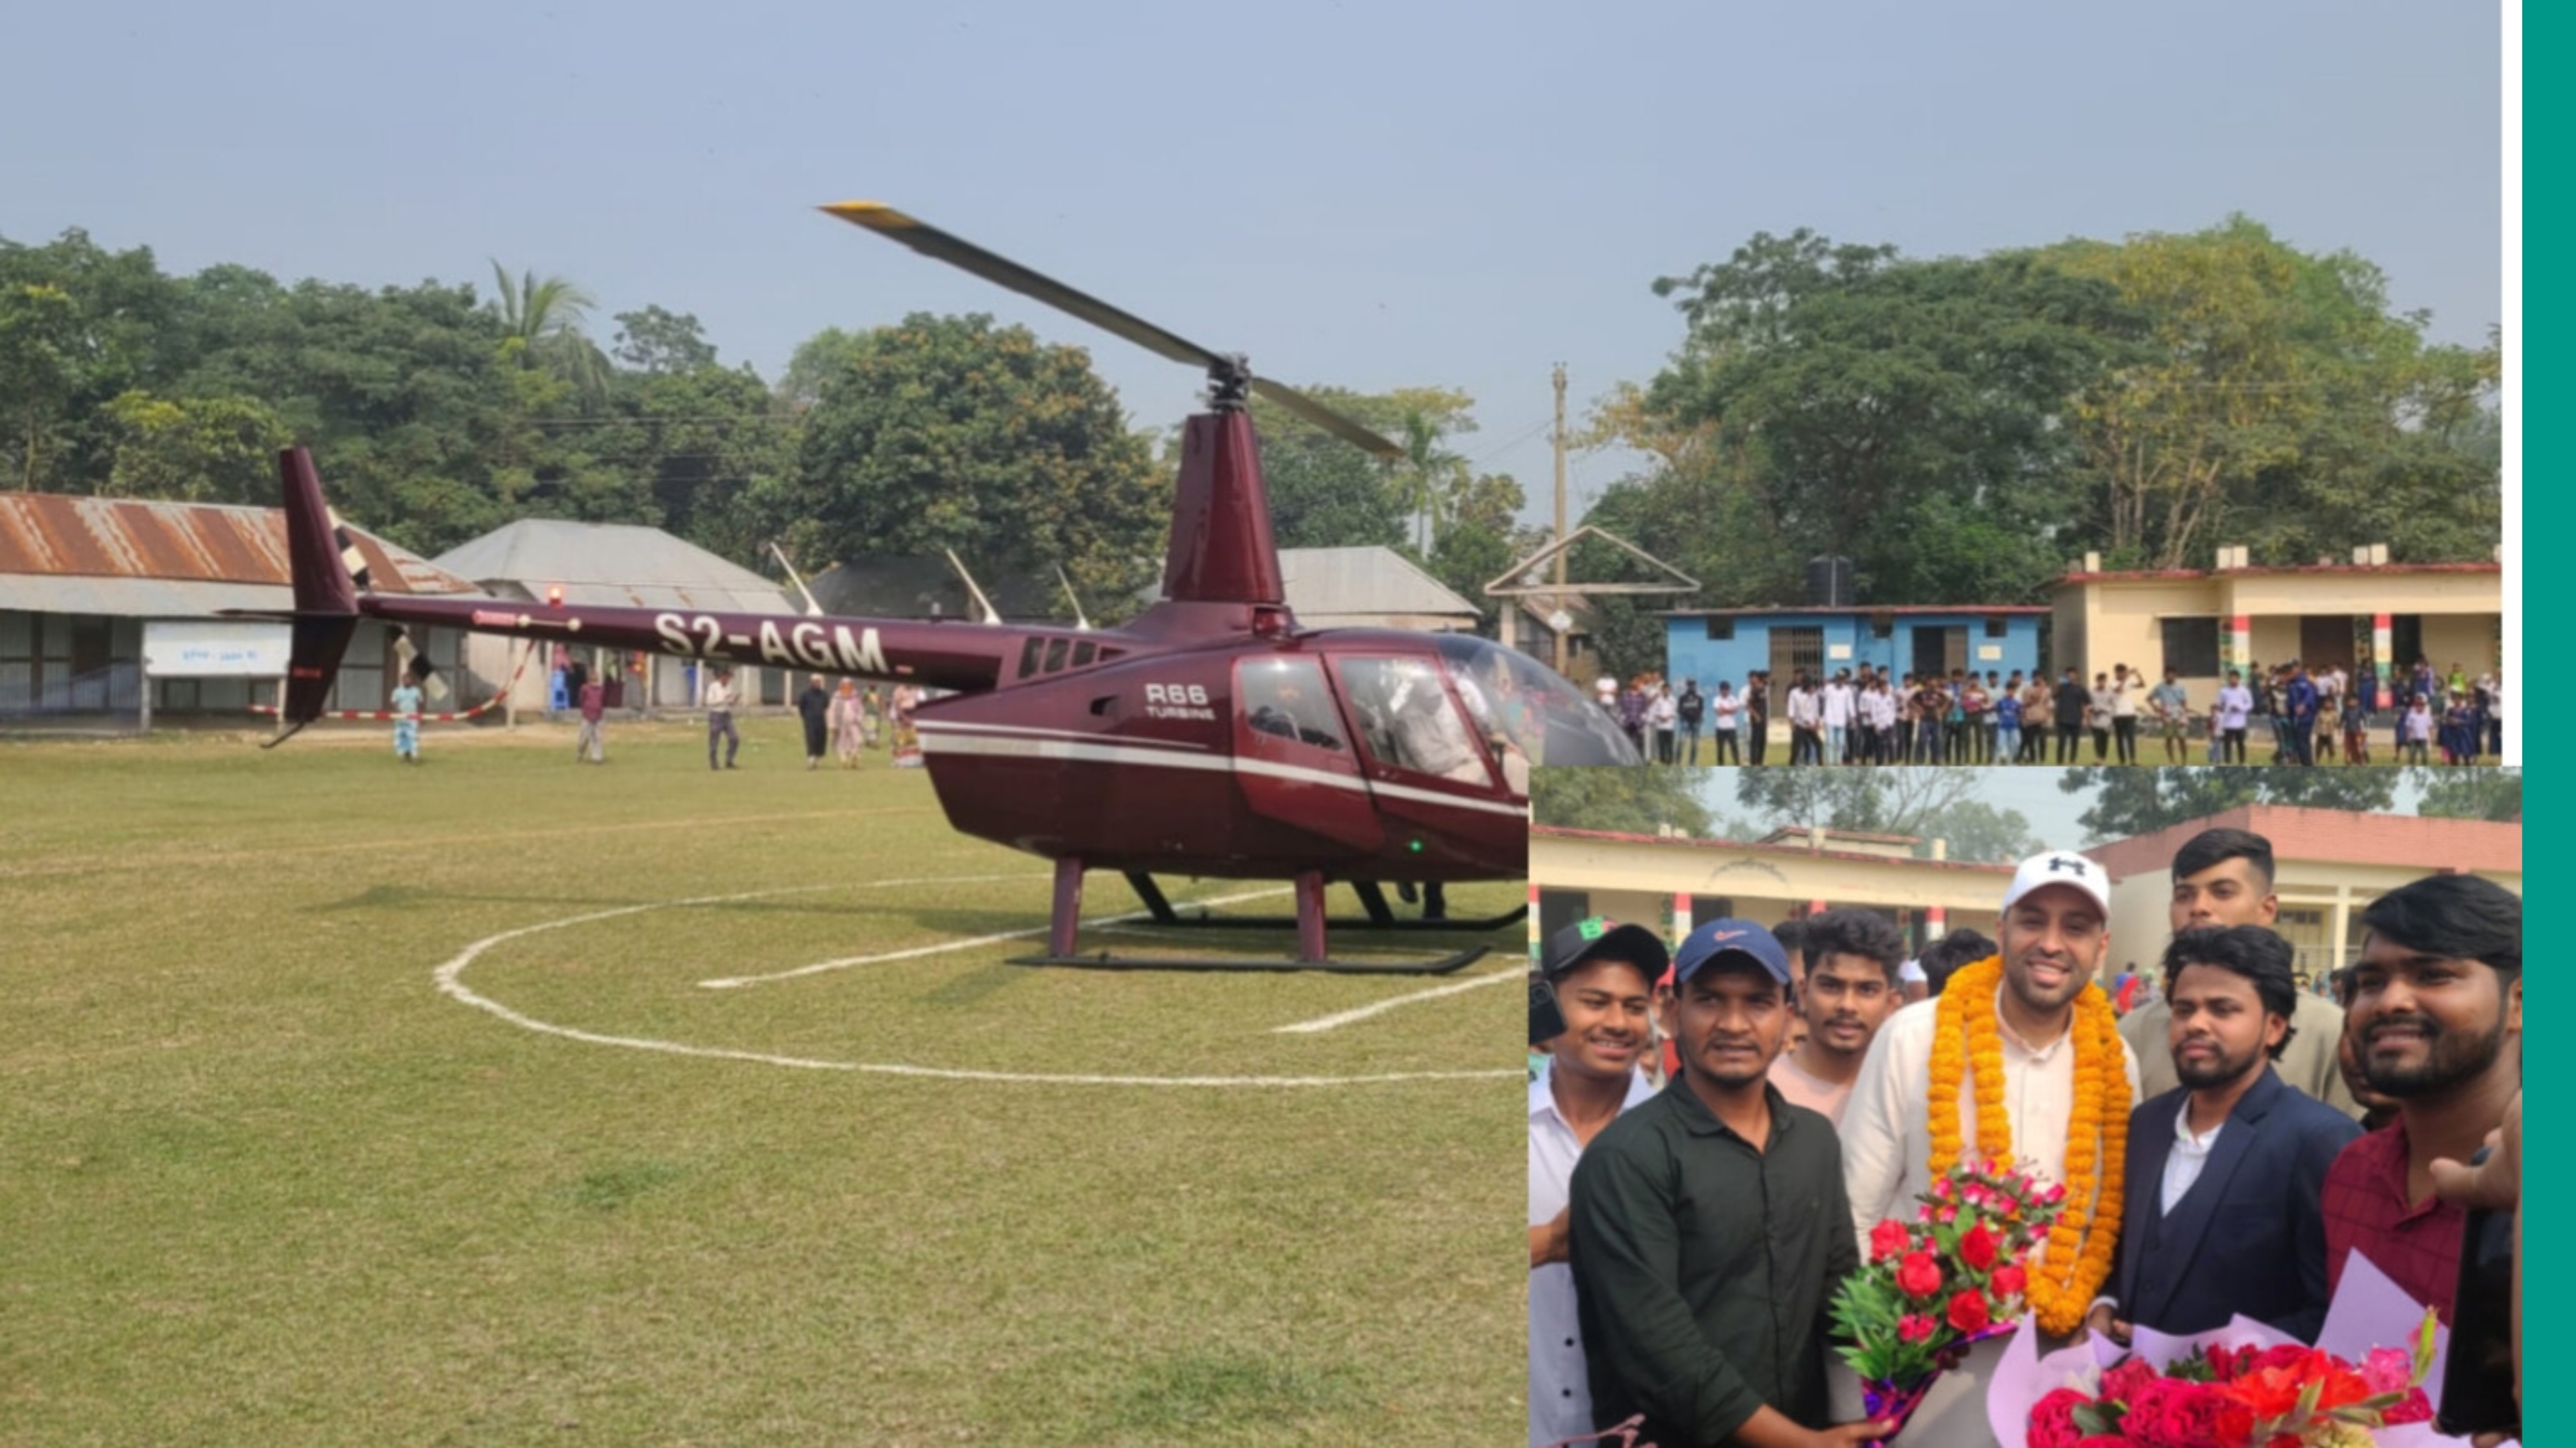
(406, 702)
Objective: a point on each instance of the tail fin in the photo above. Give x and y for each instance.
(326, 596)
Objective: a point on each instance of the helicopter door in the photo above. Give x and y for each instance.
(1293, 756)
(1411, 728)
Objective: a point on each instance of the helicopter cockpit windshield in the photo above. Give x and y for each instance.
(1521, 703)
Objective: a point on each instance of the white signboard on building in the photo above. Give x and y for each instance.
(1990, 653)
(215, 649)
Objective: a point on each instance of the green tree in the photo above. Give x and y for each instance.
(2129, 802)
(1430, 475)
(656, 342)
(1623, 801)
(1826, 390)
(544, 318)
(1324, 493)
(947, 432)
(2469, 794)
(1928, 804)
(207, 450)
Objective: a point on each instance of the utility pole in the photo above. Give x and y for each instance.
(1560, 610)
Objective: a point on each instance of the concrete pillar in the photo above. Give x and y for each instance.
(1681, 917)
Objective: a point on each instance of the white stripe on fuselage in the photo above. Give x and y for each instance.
(928, 726)
(1095, 750)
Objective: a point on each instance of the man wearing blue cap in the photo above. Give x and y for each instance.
(1602, 975)
(1707, 1225)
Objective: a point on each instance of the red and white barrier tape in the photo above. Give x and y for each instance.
(385, 715)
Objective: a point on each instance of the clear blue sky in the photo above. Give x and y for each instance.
(1373, 196)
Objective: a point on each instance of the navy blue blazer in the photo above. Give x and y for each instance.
(2249, 1237)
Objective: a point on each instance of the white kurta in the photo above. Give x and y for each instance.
(1887, 1136)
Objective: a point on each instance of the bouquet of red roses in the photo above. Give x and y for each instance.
(2243, 1397)
(2245, 1385)
(1954, 1275)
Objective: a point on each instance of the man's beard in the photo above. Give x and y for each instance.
(2449, 1059)
(2217, 1071)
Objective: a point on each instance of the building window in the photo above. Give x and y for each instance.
(1882, 624)
(1721, 630)
(2191, 647)
(1794, 650)
(1998, 626)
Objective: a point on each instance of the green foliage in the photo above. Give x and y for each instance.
(947, 432)
(2147, 399)
(1931, 803)
(2469, 794)
(1636, 801)
(204, 450)
(2129, 802)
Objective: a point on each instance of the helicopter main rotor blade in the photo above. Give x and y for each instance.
(1325, 418)
(938, 245)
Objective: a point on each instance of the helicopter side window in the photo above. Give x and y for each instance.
(1409, 722)
(1029, 653)
(1286, 698)
(1082, 653)
(1055, 655)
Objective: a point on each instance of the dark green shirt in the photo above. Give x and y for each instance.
(1704, 1270)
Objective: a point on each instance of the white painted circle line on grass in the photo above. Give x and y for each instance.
(450, 979)
(1344, 1018)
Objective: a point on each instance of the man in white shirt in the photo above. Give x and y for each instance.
(2235, 706)
(1806, 714)
(2125, 688)
(2039, 1006)
(720, 701)
(1661, 715)
(1837, 710)
(1602, 974)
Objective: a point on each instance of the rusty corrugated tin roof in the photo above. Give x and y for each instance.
(50, 535)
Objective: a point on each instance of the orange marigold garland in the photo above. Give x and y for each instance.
(1967, 1047)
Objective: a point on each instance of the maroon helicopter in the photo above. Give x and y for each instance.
(1211, 736)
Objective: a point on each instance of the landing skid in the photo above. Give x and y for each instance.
(1309, 922)
(1372, 899)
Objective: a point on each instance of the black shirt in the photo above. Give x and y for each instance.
(2072, 700)
(1704, 1271)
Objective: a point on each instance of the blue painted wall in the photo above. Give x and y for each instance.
(1689, 652)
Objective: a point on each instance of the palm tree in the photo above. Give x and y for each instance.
(546, 318)
(1428, 473)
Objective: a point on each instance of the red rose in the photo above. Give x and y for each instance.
(2170, 1414)
(2104, 1440)
(2121, 1384)
(1968, 1312)
(2416, 1409)
(2052, 1419)
(1919, 1274)
(1977, 1248)
(1886, 1240)
(1915, 1327)
(2010, 1281)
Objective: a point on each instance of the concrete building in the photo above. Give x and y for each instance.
(1665, 883)
(609, 565)
(1713, 644)
(112, 607)
(2328, 866)
(2202, 622)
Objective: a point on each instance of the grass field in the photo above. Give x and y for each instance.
(263, 1182)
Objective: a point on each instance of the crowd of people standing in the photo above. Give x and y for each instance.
(1861, 715)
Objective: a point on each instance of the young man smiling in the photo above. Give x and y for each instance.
(1847, 991)
(1708, 1226)
(2223, 878)
(2437, 1022)
(2225, 1171)
(2026, 1037)
(1603, 974)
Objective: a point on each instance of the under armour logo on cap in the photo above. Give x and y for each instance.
(2069, 871)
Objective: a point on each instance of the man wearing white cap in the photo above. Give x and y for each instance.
(2019, 1058)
